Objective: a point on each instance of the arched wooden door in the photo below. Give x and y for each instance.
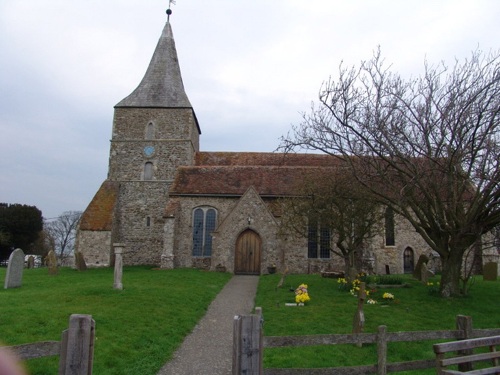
(247, 253)
(408, 260)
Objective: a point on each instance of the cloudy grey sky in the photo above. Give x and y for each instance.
(249, 69)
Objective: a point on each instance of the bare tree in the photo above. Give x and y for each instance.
(332, 198)
(429, 147)
(61, 232)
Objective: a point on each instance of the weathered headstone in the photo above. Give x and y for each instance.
(14, 275)
(31, 262)
(118, 266)
(490, 271)
(52, 262)
(424, 273)
(417, 273)
(80, 264)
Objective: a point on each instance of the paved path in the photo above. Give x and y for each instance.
(208, 349)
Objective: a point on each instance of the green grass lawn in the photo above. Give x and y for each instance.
(137, 329)
(332, 310)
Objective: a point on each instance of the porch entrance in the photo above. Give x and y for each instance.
(247, 255)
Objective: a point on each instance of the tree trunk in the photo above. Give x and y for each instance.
(349, 268)
(451, 271)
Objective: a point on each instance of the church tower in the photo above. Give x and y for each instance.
(155, 130)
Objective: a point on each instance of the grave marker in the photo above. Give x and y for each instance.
(417, 273)
(31, 262)
(80, 261)
(52, 262)
(14, 275)
(490, 271)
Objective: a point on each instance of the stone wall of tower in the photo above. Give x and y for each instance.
(173, 141)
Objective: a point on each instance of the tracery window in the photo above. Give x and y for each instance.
(318, 240)
(204, 220)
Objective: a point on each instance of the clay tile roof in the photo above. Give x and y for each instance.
(264, 159)
(99, 214)
(271, 181)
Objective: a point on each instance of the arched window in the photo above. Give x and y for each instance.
(148, 171)
(390, 239)
(150, 131)
(204, 219)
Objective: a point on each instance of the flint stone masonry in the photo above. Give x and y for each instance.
(14, 275)
(97, 245)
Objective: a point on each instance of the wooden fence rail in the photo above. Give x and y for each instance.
(75, 350)
(248, 348)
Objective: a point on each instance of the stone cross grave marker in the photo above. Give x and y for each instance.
(14, 275)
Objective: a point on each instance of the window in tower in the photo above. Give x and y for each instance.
(148, 171)
(150, 131)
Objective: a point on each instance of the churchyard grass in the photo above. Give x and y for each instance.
(331, 311)
(137, 329)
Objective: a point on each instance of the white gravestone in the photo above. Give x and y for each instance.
(14, 276)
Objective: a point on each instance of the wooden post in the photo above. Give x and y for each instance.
(382, 350)
(464, 324)
(359, 317)
(78, 350)
(247, 345)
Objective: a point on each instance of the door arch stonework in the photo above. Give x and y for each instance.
(248, 253)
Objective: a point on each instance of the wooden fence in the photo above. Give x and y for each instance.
(76, 348)
(249, 342)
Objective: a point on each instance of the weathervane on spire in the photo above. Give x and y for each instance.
(169, 11)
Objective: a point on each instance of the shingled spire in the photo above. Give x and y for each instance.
(162, 85)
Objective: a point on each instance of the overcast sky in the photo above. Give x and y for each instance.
(250, 68)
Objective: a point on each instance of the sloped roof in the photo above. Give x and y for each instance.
(232, 173)
(99, 214)
(162, 85)
(265, 159)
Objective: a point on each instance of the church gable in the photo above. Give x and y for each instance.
(249, 214)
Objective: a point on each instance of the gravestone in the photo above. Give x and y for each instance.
(424, 274)
(417, 273)
(14, 275)
(490, 271)
(80, 261)
(52, 262)
(31, 262)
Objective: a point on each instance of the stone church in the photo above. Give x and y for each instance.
(171, 205)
